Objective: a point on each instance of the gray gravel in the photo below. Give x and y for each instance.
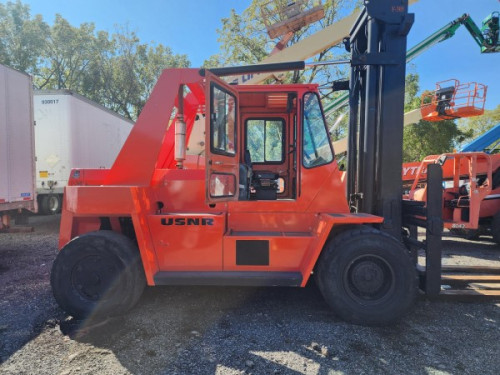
(222, 330)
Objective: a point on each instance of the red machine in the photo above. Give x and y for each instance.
(259, 209)
(471, 191)
(453, 99)
(266, 205)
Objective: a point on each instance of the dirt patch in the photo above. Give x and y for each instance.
(229, 330)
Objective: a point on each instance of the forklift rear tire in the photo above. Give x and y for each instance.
(495, 228)
(98, 274)
(367, 277)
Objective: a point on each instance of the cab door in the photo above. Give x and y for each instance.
(221, 140)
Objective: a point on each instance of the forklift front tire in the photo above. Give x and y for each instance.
(367, 277)
(98, 274)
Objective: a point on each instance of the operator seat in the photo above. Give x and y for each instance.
(260, 185)
(266, 185)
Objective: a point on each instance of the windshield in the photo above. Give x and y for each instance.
(315, 141)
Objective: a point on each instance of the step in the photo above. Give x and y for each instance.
(228, 278)
(233, 233)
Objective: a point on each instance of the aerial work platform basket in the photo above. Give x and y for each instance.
(452, 100)
(282, 17)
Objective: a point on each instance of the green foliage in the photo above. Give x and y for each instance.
(68, 52)
(412, 101)
(339, 124)
(22, 38)
(126, 71)
(117, 71)
(213, 61)
(480, 124)
(244, 40)
(430, 138)
(265, 140)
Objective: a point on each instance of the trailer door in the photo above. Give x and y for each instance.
(222, 161)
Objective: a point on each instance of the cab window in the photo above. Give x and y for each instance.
(316, 148)
(265, 138)
(222, 122)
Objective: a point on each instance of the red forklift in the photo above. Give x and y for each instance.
(265, 205)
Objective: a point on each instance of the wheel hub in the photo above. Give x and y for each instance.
(369, 278)
(92, 277)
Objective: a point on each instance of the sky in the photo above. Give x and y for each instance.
(189, 27)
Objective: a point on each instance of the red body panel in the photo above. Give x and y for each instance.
(200, 236)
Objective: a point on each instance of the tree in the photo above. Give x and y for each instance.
(480, 124)
(412, 100)
(129, 70)
(117, 71)
(430, 138)
(22, 39)
(243, 40)
(69, 50)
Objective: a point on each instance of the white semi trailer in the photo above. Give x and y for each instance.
(72, 132)
(17, 156)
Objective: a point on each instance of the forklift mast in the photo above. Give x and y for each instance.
(376, 98)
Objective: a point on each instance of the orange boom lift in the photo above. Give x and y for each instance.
(471, 191)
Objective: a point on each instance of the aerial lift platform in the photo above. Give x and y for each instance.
(452, 99)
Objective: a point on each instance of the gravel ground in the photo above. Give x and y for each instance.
(219, 330)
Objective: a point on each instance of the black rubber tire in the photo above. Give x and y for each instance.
(495, 228)
(472, 234)
(50, 204)
(98, 274)
(457, 232)
(367, 277)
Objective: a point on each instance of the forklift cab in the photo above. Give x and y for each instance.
(254, 147)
